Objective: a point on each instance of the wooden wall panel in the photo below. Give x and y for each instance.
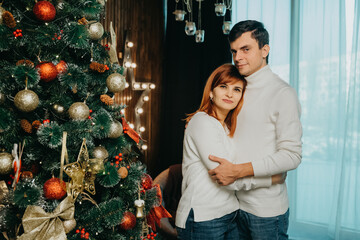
(143, 23)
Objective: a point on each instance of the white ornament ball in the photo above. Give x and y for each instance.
(116, 129)
(115, 82)
(96, 31)
(79, 111)
(26, 100)
(6, 161)
(100, 152)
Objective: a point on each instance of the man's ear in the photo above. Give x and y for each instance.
(265, 50)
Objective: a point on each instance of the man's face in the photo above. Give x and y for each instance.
(247, 55)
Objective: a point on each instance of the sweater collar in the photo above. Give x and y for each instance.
(257, 78)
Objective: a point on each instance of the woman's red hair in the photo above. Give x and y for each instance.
(226, 73)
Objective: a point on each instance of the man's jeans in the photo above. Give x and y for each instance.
(252, 227)
(216, 229)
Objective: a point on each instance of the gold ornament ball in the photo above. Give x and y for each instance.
(100, 152)
(115, 82)
(123, 172)
(96, 31)
(69, 225)
(1, 13)
(6, 161)
(2, 98)
(116, 129)
(58, 109)
(26, 100)
(79, 111)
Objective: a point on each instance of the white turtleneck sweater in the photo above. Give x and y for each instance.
(205, 135)
(268, 134)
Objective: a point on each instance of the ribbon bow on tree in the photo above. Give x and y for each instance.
(40, 225)
(158, 212)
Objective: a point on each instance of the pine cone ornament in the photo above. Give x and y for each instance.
(107, 99)
(25, 62)
(26, 125)
(8, 19)
(36, 124)
(98, 67)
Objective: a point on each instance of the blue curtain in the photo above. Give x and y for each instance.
(315, 46)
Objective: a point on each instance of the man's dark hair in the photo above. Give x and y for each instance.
(257, 29)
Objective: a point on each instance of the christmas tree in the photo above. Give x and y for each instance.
(69, 163)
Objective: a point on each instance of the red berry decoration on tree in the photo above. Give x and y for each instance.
(146, 181)
(18, 33)
(44, 11)
(128, 221)
(47, 71)
(53, 189)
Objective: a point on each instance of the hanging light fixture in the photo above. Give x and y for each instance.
(227, 24)
(190, 27)
(179, 14)
(199, 34)
(220, 9)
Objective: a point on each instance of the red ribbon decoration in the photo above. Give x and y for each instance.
(130, 132)
(158, 212)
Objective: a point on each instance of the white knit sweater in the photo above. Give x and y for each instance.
(268, 134)
(205, 135)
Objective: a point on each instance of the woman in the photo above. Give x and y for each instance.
(206, 210)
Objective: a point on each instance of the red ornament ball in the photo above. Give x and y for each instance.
(61, 67)
(44, 11)
(47, 71)
(146, 181)
(53, 189)
(128, 221)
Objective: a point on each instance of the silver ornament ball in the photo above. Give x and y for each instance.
(26, 100)
(116, 129)
(2, 98)
(96, 31)
(115, 82)
(58, 109)
(79, 111)
(6, 161)
(100, 152)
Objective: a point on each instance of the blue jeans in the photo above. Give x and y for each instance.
(220, 228)
(252, 227)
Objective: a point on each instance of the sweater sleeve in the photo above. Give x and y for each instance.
(285, 113)
(205, 136)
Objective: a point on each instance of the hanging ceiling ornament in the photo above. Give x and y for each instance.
(199, 34)
(190, 27)
(220, 9)
(227, 24)
(179, 14)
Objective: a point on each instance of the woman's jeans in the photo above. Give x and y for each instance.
(220, 228)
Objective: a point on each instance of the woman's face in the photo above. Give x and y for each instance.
(226, 96)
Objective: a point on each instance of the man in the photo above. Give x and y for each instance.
(268, 136)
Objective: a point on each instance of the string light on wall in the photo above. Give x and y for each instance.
(146, 87)
(190, 26)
